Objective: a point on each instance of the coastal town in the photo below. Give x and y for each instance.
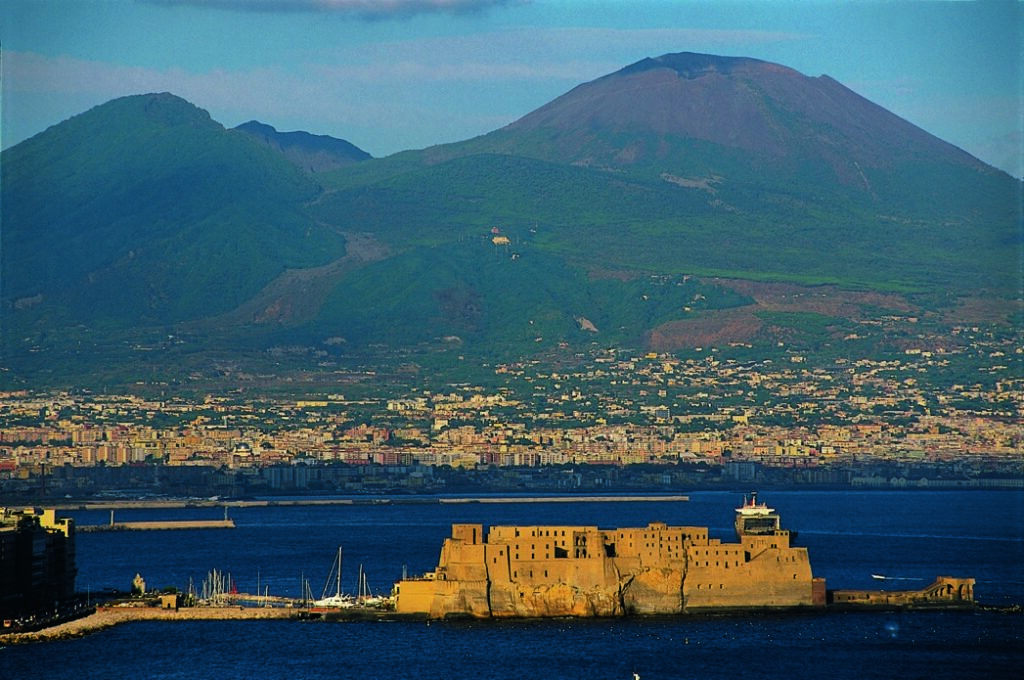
(945, 417)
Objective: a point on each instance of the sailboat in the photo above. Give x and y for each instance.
(364, 597)
(338, 599)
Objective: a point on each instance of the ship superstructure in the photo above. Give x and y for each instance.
(756, 519)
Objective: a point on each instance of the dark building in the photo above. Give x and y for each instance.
(37, 563)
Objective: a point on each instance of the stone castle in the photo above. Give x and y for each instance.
(585, 571)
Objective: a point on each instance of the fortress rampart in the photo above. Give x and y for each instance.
(585, 571)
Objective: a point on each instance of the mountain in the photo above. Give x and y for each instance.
(315, 153)
(718, 166)
(146, 211)
(763, 110)
(683, 200)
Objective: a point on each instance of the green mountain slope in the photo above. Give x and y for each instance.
(503, 300)
(634, 210)
(790, 227)
(144, 210)
(715, 166)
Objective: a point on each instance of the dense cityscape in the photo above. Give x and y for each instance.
(938, 417)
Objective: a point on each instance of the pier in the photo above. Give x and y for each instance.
(161, 525)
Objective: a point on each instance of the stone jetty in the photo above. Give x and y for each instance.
(105, 617)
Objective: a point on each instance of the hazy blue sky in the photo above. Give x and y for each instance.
(389, 75)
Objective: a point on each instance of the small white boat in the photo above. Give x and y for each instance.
(364, 597)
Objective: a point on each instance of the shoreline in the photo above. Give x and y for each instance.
(382, 500)
(108, 617)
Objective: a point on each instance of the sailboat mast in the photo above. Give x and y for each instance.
(338, 589)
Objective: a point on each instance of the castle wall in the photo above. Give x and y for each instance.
(583, 571)
(654, 546)
(460, 598)
(415, 596)
(654, 591)
(468, 533)
(720, 576)
(462, 561)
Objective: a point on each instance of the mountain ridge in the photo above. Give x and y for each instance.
(315, 153)
(630, 201)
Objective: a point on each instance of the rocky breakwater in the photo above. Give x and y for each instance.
(106, 617)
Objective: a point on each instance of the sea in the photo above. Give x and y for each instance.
(908, 536)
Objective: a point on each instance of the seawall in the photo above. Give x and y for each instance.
(105, 617)
(160, 525)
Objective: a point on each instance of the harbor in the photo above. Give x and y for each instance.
(263, 567)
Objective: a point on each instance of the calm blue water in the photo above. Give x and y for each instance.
(850, 535)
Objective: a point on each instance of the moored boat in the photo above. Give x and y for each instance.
(338, 600)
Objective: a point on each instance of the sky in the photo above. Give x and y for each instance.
(390, 75)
